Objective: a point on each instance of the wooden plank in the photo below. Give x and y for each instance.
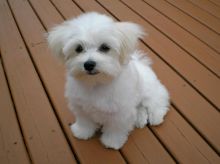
(66, 8)
(93, 6)
(143, 144)
(187, 22)
(43, 135)
(208, 6)
(132, 153)
(47, 13)
(184, 39)
(216, 2)
(184, 142)
(12, 146)
(197, 13)
(194, 112)
(52, 75)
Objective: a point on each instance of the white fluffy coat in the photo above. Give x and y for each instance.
(121, 92)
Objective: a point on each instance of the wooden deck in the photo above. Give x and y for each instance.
(184, 44)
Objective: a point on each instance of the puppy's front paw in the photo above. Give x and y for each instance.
(141, 122)
(156, 117)
(114, 141)
(82, 132)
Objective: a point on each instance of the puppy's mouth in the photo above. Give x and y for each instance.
(93, 72)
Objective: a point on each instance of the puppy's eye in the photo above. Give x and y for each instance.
(79, 48)
(104, 48)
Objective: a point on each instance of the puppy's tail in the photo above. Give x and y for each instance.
(141, 57)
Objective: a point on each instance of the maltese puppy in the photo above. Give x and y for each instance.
(110, 85)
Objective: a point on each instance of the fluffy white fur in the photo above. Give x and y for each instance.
(121, 92)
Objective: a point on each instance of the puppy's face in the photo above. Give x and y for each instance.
(93, 47)
(93, 55)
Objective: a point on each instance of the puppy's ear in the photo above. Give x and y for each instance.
(56, 38)
(130, 33)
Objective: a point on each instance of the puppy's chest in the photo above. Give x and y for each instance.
(96, 102)
(108, 100)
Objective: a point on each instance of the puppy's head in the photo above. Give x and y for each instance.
(93, 47)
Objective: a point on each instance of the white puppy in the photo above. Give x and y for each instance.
(109, 84)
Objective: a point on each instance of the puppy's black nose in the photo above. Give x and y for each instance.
(89, 65)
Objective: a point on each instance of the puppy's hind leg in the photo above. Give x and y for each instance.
(157, 106)
(142, 116)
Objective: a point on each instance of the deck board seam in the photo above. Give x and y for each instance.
(204, 9)
(193, 17)
(78, 6)
(44, 27)
(190, 143)
(14, 107)
(142, 154)
(185, 29)
(56, 9)
(194, 128)
(214, 3)
(163, 145)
